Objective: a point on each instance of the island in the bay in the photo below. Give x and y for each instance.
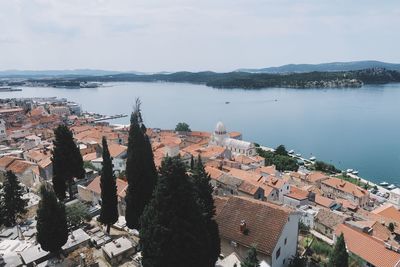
(329, 75)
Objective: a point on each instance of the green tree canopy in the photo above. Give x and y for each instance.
(52, 229)
(67, 162)
(251, 259)
(281, 162)
(391, 227)
(182, 127)
(173, 226)
(140, 170)
(14, 205)
(203, 193)
(2, 208)
(339, 256)
(281, 150)
(76, 214)
(109, 198)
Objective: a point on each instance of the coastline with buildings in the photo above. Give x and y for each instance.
(253, 198)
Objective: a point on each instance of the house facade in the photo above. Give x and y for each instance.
(247, 222)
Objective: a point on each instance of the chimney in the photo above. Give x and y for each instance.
(243, 226)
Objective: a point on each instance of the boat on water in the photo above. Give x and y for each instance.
(392, 186)
(298, 155)
(291, 151)
(384, 183)
(349, 170)
(227, 102)
(354, 172)
(313, 158)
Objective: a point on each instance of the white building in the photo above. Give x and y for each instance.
(394, 197)
(244, 222)
(220, 137)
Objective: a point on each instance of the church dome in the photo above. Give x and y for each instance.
(220, 128)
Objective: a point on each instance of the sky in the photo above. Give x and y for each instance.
(194, 35)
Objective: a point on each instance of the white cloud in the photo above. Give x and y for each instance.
(222, 35)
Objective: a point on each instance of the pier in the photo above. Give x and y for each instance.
(106, 118)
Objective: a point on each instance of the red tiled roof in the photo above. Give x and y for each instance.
(323, 201)
(19, 166)
(388, 211)
(264, 221)
(94, 186)
(345, 187)
(297, 193)
(248, 188)
(368, 248)
(7, 160)
(116, 149)
(214, 172)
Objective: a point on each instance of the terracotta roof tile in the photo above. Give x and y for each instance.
(297, 193)
(368, 248)
(116, 149)
(6, 161)
(94, 186)
(323, 201)
(264, 221)
(329, 218)
(388, 211)
(345, 187)
(19, 166)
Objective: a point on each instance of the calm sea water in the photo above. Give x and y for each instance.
(351, 128)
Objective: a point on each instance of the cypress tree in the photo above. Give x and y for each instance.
(191, 162)
(2, 208)
(203, 192)
(109, 201)
(339, 256)
(14, 205)
(251, 259)
(140, 170)
(173, 228)
(52, 229)
(67, 162)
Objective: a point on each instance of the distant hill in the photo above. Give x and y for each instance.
(57, 73)
(326, 67)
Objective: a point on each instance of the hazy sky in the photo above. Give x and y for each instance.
(220, 35)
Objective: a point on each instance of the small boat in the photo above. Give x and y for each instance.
(313, 158)
(349, 170)
(354, 172)
(227, 102)
(392, 186)
(384, 183)
(291, 151)
(298, 155)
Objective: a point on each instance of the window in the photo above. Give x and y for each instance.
(278, 253)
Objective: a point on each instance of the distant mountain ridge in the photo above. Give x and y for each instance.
(60, 73)
(326, 67)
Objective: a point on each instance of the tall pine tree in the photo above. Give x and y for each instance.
(67, 162)
(173, 228)
(140, 170)
(339, 256)
(52, 229)
(2, 208)
(109, 200)
(203, 192)
(251, 259)
(14, 204)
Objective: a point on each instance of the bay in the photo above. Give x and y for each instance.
(350, 128)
